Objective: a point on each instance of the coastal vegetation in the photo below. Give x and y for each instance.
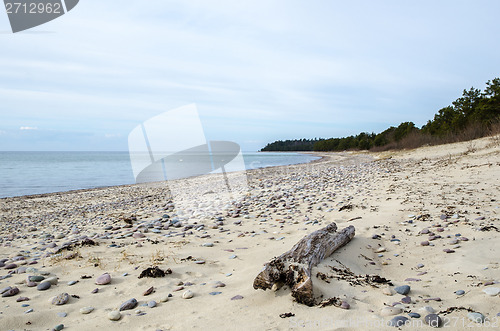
(475, 114)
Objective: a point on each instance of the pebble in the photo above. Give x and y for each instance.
(476, 317)
(447, 250)
(21, 299)
(460, 292)
(215, 293)
(433, 320)
(94, 291)
(10, 266)
(208, 245)
(152, 304)
(492, 291)
(414, 315)
(148, 291)
(237, 297)
(398, 321)
(427, 309)
(187, 295)
(129, 304)
(35, 278)
(345, 305)
(52, 280)
(86, 310)
(59, 327)
(406, 300)
(424, 243)
(232, 257)
(73, 282)
(61, 299)
(380, 250)
(404, 289)
(164, 298)
(11, 292)
(103, 279)
(29, 311)
(114, 315)
(388, 291)
(62, 314)
(389, 311)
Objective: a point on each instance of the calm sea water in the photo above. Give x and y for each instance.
(26, 173)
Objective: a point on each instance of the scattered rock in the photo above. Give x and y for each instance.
(129, 304)
(152, 304)
(11, 292)
(103, 279)
(114, 315)
(61, 299)
(43, 286)
(187, 295)
(86, 310)
(476, 317)
(492, 291)
(460, 292)
(433, 320)
(404, 289)
(398, 321)
(148, 291)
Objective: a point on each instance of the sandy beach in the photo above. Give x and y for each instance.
(426, 218)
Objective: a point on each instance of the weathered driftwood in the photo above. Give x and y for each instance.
(294, 267)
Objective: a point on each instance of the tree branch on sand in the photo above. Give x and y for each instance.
(294, 267)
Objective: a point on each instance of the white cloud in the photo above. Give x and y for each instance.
(3, 132)
(28, 128)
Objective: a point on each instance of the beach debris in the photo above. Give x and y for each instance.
(286, 315)
(154, 272)
(294, 267)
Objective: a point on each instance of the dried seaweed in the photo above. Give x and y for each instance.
(154, 272)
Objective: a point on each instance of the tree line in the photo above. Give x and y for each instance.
(475, 114)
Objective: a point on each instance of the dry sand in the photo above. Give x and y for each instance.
(391, 198)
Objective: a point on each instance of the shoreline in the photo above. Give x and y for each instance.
(424, 218)
(39, 195)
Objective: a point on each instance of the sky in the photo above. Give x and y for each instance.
(258, 71)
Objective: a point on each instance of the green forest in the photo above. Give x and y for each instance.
(475, 114)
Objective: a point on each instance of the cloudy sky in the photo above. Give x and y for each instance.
(257, 70)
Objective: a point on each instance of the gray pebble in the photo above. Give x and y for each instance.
(460, 292)
(43, 286)
(61, 299)
(404, 289)
(398, 321)
(433, 320)
(476, 317)
(129, 304)
(152, 304)
(414, 315)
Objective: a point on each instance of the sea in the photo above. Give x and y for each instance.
(29, 173)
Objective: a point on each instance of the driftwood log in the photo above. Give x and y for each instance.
(294, 267)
